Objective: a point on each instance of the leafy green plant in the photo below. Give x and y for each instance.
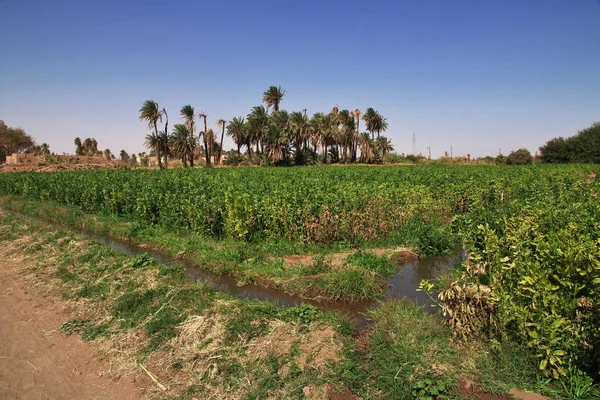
(427, 389)
(141, 261)
(305, 313)
(576, 386)
(534, 276)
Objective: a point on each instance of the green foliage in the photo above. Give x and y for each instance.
(403, 345)
(519, 157)
(350, 284)
(141, 261)
(427, 389)
(576, 386)
(304, 313)
(533, 275)
(314, 205)
(584, 147)
(14, 140)
(372, 262)
(432, 239)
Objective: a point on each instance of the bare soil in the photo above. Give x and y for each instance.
(38, 361)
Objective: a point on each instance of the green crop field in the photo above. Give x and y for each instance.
(533, 236)
(315, 205)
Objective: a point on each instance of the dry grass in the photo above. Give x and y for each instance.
(337, 260)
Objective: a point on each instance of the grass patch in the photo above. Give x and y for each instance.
(351, 284)
(201, 340)
(249, 261)
(372, 262)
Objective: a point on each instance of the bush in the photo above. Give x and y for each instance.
(519, 157)
(535, 277)
(581, 148)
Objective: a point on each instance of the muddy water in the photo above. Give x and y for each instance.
(402, 284)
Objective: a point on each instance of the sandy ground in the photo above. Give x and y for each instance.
(39, 362)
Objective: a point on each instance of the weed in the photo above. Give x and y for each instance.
(577, 385)
(73, 326)
(427, 389)
(141, 261)
(304, 313)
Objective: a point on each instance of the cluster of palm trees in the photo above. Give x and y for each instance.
(275, 137)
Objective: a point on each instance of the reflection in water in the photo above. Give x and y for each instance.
(403, 284)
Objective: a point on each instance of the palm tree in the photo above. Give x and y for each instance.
(333, 134)
(347, 133)
(370, 117)
(366, 147)
(152, 142)
(384, 145)
(180, 143)
(258, 122)
(277, 136)
(381, 124)
(209, 138)
(357, 114)
(165, 139)
(322, 131)
(237, 130)
(299, 125)
(206, 149)
(272, 97)
(78, 146)
(151, 113)
(188, 114)
(222, 123)
(124, 157)
(107, 154)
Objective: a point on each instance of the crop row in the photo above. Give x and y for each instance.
(319, 205)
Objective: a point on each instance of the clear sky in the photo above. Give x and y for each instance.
(478, 75)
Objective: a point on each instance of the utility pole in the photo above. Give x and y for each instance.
(414, 148)
(451, 153)
(429, 150)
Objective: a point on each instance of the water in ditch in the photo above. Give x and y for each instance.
(402, 284)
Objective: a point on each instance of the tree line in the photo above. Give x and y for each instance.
(16, 140)
(268, 135)
(584, 147)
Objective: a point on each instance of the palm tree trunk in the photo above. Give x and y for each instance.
(221, 148)
(206, 153)
(157, 150)
(166, 144)
(355, 140)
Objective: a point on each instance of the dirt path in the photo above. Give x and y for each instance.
(39, 362)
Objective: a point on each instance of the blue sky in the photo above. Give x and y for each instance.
(476, 75)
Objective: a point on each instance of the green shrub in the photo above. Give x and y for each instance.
(519, 157)
(535, 277)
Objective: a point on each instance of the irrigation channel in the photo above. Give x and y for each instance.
(402, 284)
